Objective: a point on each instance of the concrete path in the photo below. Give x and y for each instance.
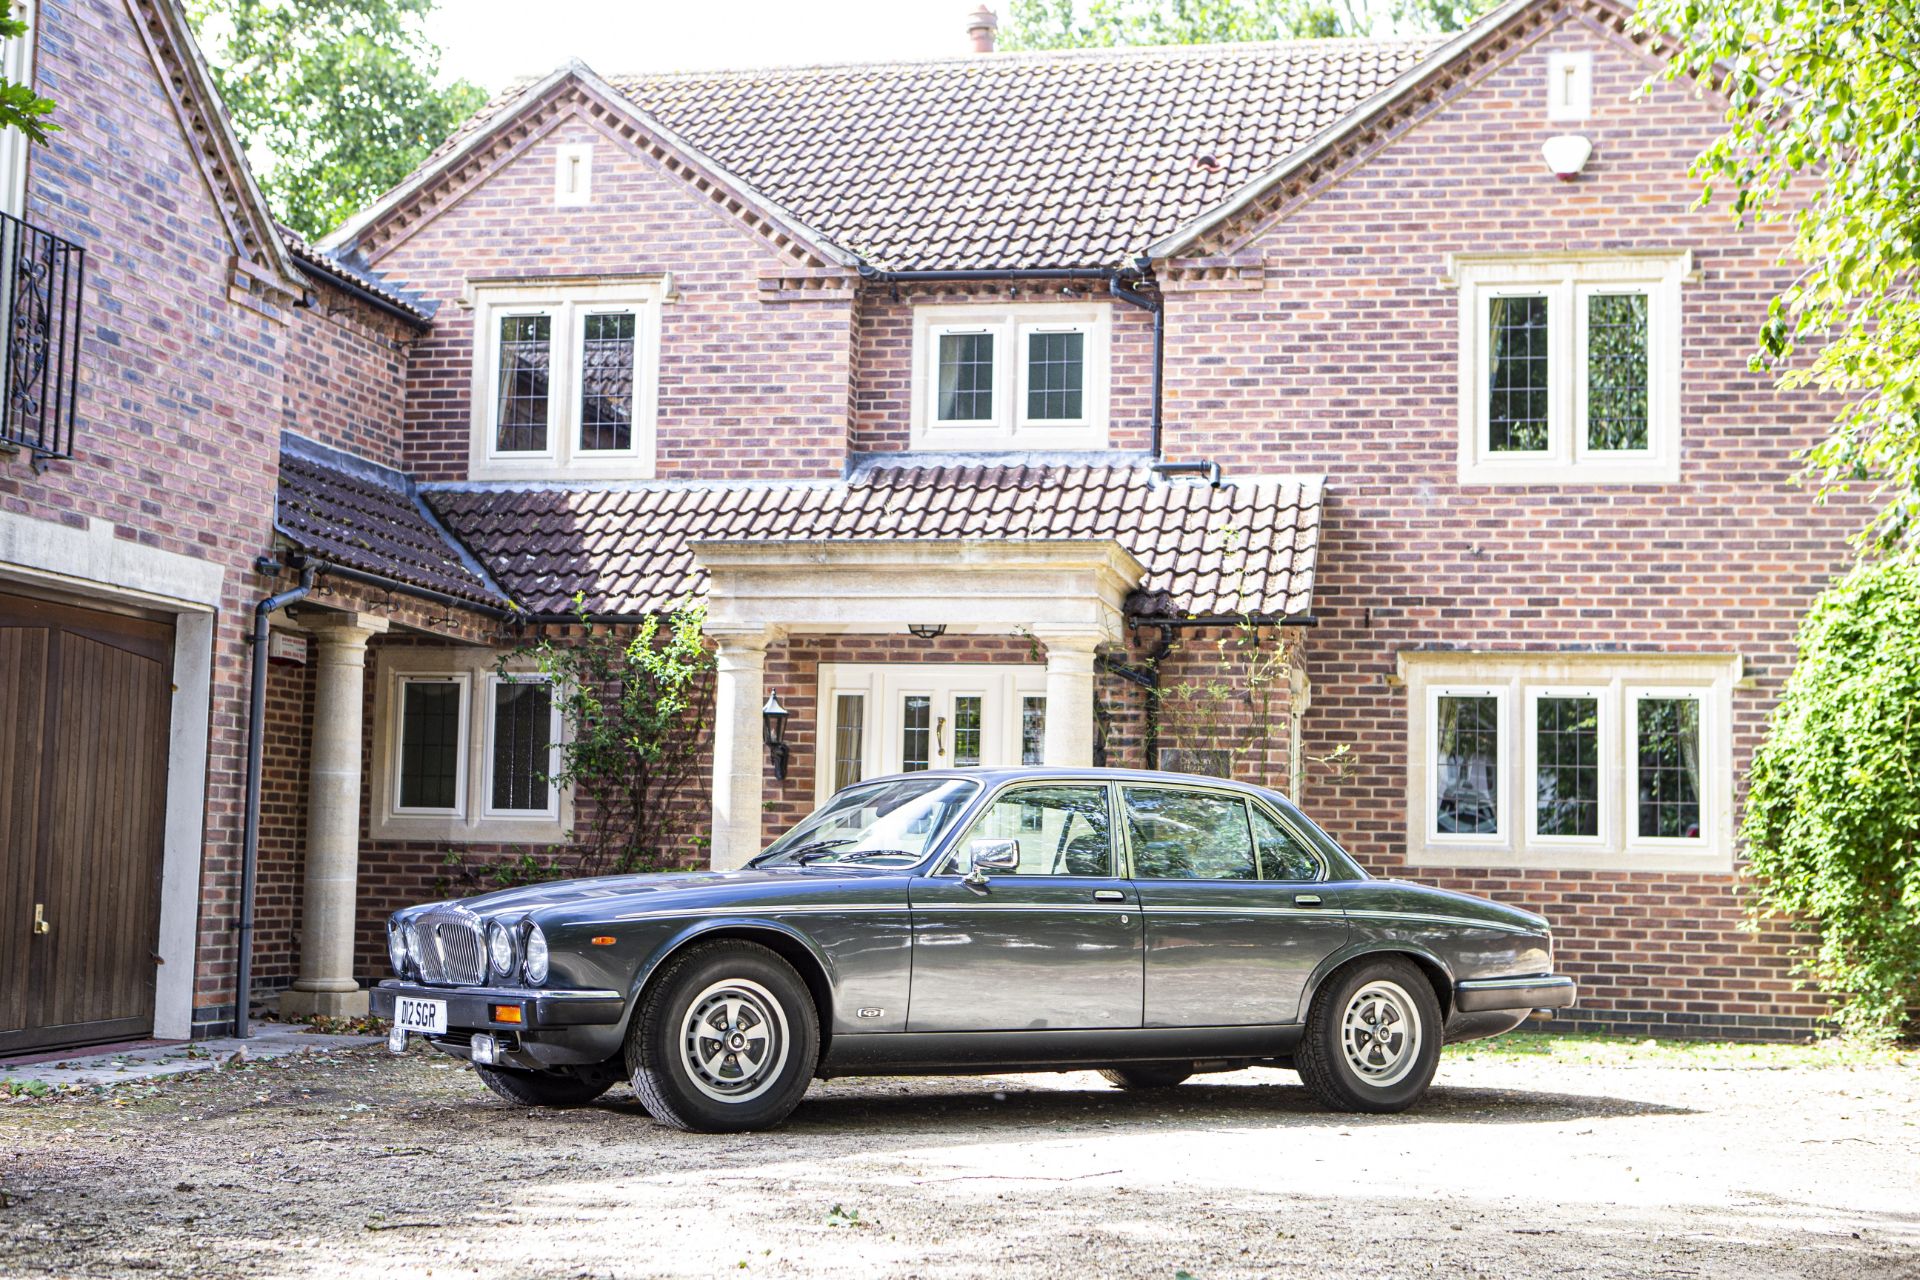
(123, 1066)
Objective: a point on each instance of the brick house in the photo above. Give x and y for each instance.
(978, 399)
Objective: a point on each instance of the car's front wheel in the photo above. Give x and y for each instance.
(1372, 1039)
(541, 1088)
(725, 1040)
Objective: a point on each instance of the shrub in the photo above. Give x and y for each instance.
(1833, 810)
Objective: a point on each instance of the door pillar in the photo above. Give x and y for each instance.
(326, 985)
(739, 756)
(1069, 737)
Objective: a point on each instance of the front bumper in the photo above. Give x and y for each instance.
(1483, 995)
(473, 1008)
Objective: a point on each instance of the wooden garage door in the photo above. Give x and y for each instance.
(84, 700)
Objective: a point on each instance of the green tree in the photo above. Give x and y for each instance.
(20, 107)
(1833, 808)
(1078, 24)
(335, 99)
(1823, 134)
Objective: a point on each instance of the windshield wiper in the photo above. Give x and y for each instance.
(861, 855)
(799, 857)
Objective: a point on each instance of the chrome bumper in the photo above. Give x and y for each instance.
(1481, 995)
(473, 1008)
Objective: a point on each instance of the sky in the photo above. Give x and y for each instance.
(493, 41)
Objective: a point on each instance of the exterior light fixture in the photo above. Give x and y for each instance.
(773, 721)
(1566, 154)
(927, 630)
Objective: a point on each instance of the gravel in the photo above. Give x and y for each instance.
(356, 1164)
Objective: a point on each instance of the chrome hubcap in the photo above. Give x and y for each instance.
(1380, 1033)
(733, 1043)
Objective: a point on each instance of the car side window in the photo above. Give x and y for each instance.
(1282, 857)
(1188, 835)
(1061, 831)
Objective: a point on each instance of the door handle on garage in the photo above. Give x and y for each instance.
(1306, 899)
(41, 925)
(1109, 895)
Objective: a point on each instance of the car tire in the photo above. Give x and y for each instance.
(541, 1088)
(1153, 1076)
(1350, 1065)
(725, 1040)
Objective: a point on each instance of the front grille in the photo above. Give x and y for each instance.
(449, 949)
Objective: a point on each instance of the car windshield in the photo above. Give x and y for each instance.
(878, 824)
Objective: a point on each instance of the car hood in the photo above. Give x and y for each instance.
(641, 892)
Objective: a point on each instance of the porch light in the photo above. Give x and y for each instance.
(927, 630)
(773, 719)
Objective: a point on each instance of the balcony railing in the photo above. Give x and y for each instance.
(41, 281)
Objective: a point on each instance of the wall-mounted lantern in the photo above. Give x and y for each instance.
(773, 720)
(926, 630)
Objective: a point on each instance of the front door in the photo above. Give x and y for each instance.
(84, 708)
(881, 718)
(1054, 944)
(1237, 916)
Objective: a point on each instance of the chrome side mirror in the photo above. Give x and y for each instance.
(989, 855)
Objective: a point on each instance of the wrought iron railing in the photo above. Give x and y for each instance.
(41, 281)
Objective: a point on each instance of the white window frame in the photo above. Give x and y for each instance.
(1602, 695)
(487, 708)
(1635, 695)
(473, 819)
(1503, 799)
(1010, 325)
(1567, 280)
(1620, 681)
(460, 769)
(567, 304)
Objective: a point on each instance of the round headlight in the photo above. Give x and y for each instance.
(500, 948)
(397, 946)
(536, 955)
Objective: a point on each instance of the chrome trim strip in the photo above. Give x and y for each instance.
(1502, 984)
(1425, 917)
(750, 909)
(1325, 913)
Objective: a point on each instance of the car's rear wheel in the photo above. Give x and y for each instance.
(1372, 1039)
(541, 1088)
(1158, 1075)
(725, 1040)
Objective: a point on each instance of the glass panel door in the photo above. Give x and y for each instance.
(916, 732)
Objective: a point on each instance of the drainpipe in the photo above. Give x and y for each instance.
(250, 846)
(1156, 306)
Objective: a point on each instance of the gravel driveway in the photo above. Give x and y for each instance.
(357, 1164)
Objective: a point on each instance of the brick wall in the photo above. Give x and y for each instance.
(346, 376)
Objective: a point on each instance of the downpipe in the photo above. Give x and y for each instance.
(256, 743)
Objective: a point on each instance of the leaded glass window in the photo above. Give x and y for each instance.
(1617, 371)
(1566, 746)
(1056, 375)
(849, 738)
(916, 732)
(1668, 768)
(1468, 784)
(966, 730)
(606, 380)
(522, 746)
(966, 377)
(1033, 730)
(430, 744)
(1517, 379)
(526, 367)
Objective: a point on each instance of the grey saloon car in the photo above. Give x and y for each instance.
(1151, 926)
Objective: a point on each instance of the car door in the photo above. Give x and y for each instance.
(1235, 921)
(1053, 943)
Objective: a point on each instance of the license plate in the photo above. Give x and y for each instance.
(420, 1017)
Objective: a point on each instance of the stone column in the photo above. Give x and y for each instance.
(739, 756)
(326, 985)
(1069, 739)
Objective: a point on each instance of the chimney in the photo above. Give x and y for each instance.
(981, 25)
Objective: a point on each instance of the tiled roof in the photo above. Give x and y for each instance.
(337, 268)
(1245, 547)
(1078, 159)
(362, 516)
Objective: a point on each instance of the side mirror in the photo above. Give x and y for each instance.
(994, 855)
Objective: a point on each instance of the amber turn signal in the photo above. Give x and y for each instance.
(506, 1013)
(603, 941)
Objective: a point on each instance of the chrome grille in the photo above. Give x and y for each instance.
(449, 949)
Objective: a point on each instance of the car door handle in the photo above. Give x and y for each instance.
(1109, 895)
(1306, 899)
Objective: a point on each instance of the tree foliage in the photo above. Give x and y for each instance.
(1078, 24)
(335, 99)
(1823, 132)
(1833, 809)
(20, 107)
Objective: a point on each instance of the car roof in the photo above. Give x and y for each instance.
(1005, 773)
